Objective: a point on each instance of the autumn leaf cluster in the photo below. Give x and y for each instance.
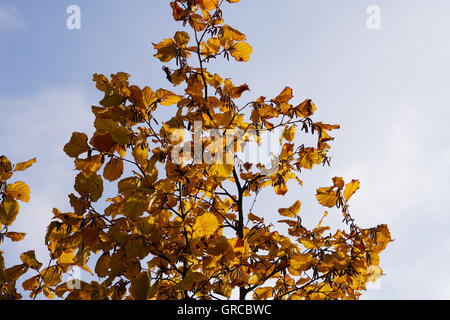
(181, 229)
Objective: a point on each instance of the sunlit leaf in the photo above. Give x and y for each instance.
(350, 189)
(205, 225)
(8, 211)
(292, 211)
(15, 236)
(113, 169)
(19, 191)
(77, 145)
(29, 258)
(89, 184)
(21, 166)
(166, 50)
(241, 51)
(327, 196)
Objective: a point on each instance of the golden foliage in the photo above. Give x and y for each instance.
(173, 214)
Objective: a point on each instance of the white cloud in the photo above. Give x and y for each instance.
(39, 126)
(404, 180)
(10, 18)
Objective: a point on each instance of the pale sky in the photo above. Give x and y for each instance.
(387, 88)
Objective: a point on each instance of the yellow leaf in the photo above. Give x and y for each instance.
(308, 157)
(51, 276)
(166, 50)
(13, 273)
(181, 38)
(289, 133)
(205, 225)
(105, 125)
(140, 286)
(166, 97)
(29, 258)
(101, 82)
(128, 186)
(48, 293)
(89, 184)
(135, 205)
(8, 211)
(121, 135)
(15, 236)
(19, 191)
(21, 166)
(327, 196)
(229, 33)
(5, 168)
(305, 109)
(66, 258)
(113, 169)
(263, 293)
(309, 244)
(338, 182)
(292, 211)
(241, 51)
(140, 154)
(102, 265)
(148, 96)
(92, 164)
(196, 22)
(350, 189)
(253, 217)
(188, 282)
(302, 262)
(213, 45)
(284, 96)
(221, 170)
(77, 145)
(208, 4)
(31, 283)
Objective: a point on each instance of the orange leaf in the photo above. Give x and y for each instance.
(350, 189)
(113, 169)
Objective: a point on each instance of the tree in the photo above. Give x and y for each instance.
(180, 206)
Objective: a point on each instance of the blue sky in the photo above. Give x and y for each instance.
(387, 88)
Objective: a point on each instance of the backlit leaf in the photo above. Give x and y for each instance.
(89, 184)
(327, 196)
(292, 211)
(135, 206)
(166, 50)
(263, 293)
(51, 276)
(15, 236)
(241, 51)
(113, 169)
(29, 258)
(140, 286)
(77, 145)
(121, 135)
(8, 211)
(350, 189)
(5, 168)
(21, 166)
(19, 191)
(205, 225)
(284, 96)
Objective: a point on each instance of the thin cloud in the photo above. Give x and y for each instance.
(11, 18)
(39, 126)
